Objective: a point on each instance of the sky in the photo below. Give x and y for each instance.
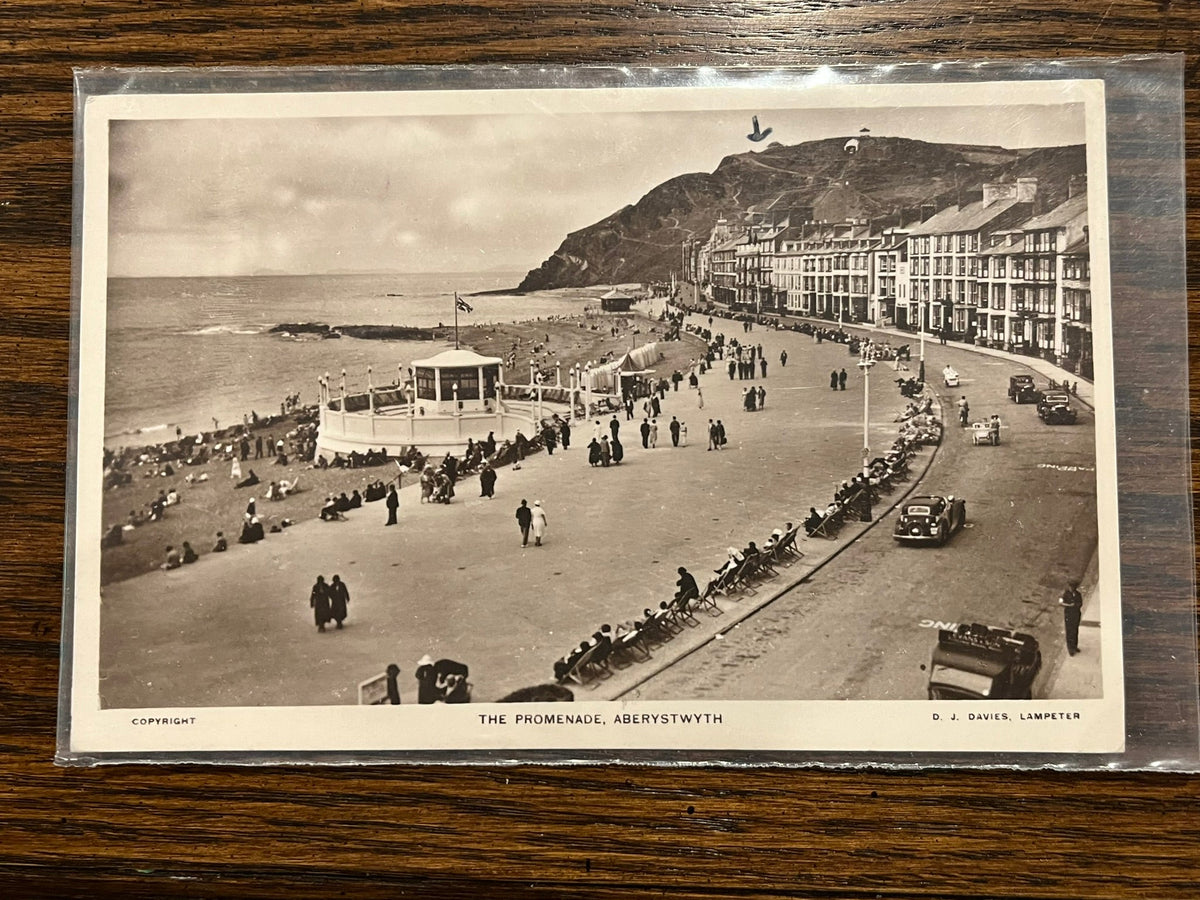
(449, 193)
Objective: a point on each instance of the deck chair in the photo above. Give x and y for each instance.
(680, 611)
(596, 666)
(579, 672)
(629, 647)
(708, 599)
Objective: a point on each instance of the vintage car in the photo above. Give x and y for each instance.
(950, 376)
(930, 519)
(1055, 408)
(1021, 389)
(975, 662)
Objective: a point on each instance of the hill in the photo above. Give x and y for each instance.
(642, 241)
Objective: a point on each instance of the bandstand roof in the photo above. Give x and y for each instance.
(456, 359)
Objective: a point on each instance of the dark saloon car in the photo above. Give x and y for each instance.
(975, 662)
(1055, 408)
(1021, 389)
(930, 519)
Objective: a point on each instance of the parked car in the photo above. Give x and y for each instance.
(1055, 408)
(975, 662)
(930, 519)
(1021, 389)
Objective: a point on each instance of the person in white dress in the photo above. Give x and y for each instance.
(538, 522)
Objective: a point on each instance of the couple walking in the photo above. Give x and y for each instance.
(329, 601)
(531, 520)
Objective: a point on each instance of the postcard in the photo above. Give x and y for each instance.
(730, 414)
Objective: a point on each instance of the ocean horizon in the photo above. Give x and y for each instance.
(181, 352)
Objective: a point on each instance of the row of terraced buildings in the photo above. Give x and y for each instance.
(994, 271)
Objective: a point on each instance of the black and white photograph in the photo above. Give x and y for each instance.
(747, 416)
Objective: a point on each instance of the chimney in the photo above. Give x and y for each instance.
(1026, 190)
(995, 192)
(927, 211)
(1076, 184)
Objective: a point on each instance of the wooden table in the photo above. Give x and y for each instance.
(141, 831)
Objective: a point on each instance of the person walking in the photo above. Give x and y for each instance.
(550, 439)
(783, 359)
(645, 430)
(615, 427)
(605, 453)
(318, 601)
(617, 450)
(699, 398)
(487, 481)
(964, 411)
(683, 434)
(674, 429)
(713, 436)
(538, 519)
(653, 433)
(732, 368)
(762, 396)
(720, 434)
(842, 380)
(564, 434)
(762, 364)
(1072, 604)
(393, 504)
(833, 380)
(525, 520)
(339, 599)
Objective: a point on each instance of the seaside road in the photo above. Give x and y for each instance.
(453, 581)
(865, 625)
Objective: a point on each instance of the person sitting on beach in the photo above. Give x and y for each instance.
(189, 555)
(172, 497)
(221, 545)
(356, 500)
(287, 488)
(813, 521)
(249, 481)
(173, 560)
(273, 492)
(330, 511)
(252, 531)
(342, 503)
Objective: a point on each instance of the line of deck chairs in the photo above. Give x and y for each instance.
(884, 471)
(595, 660)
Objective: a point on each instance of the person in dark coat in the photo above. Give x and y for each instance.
(487, 481)
(339, 599)
(393, 504)
(427, 691)
(833, 380)
(565, 435)
(688, 589)
(318, 600)
(674, 429)
(594, 453)
(842, 380)
(618, 451)
(1072, 604)
(645, 430)
(393, 684)
(525, 520)
(720, 434)
(550, 439)
(489, 444)
(614, 426)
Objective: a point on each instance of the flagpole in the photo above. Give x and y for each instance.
(456, 320)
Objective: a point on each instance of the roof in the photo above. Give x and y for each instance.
(616, 294)
(970, 217)
(1059, 216)
(455, 359)
(1079, 248)
(1011, 243)
(731, 243)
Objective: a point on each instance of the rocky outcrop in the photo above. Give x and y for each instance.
(886, 176)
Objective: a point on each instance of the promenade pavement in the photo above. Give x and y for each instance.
(453, 581)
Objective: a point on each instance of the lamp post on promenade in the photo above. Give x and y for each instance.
(921, 331)
(866, 361)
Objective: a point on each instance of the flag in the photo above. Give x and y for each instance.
(460, 303)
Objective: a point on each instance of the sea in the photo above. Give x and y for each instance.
(183, 352)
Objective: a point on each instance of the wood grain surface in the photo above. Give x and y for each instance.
(599, 831)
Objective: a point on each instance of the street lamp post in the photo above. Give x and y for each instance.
(921, 314)
(865, 363)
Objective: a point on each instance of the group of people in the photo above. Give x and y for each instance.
(329, 602)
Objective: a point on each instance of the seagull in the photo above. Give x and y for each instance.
(757, 135)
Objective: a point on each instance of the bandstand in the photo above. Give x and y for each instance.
(444, 401)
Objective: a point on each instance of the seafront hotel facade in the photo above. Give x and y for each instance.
(999, 271)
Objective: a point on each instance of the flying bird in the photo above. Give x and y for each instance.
(758, 135)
